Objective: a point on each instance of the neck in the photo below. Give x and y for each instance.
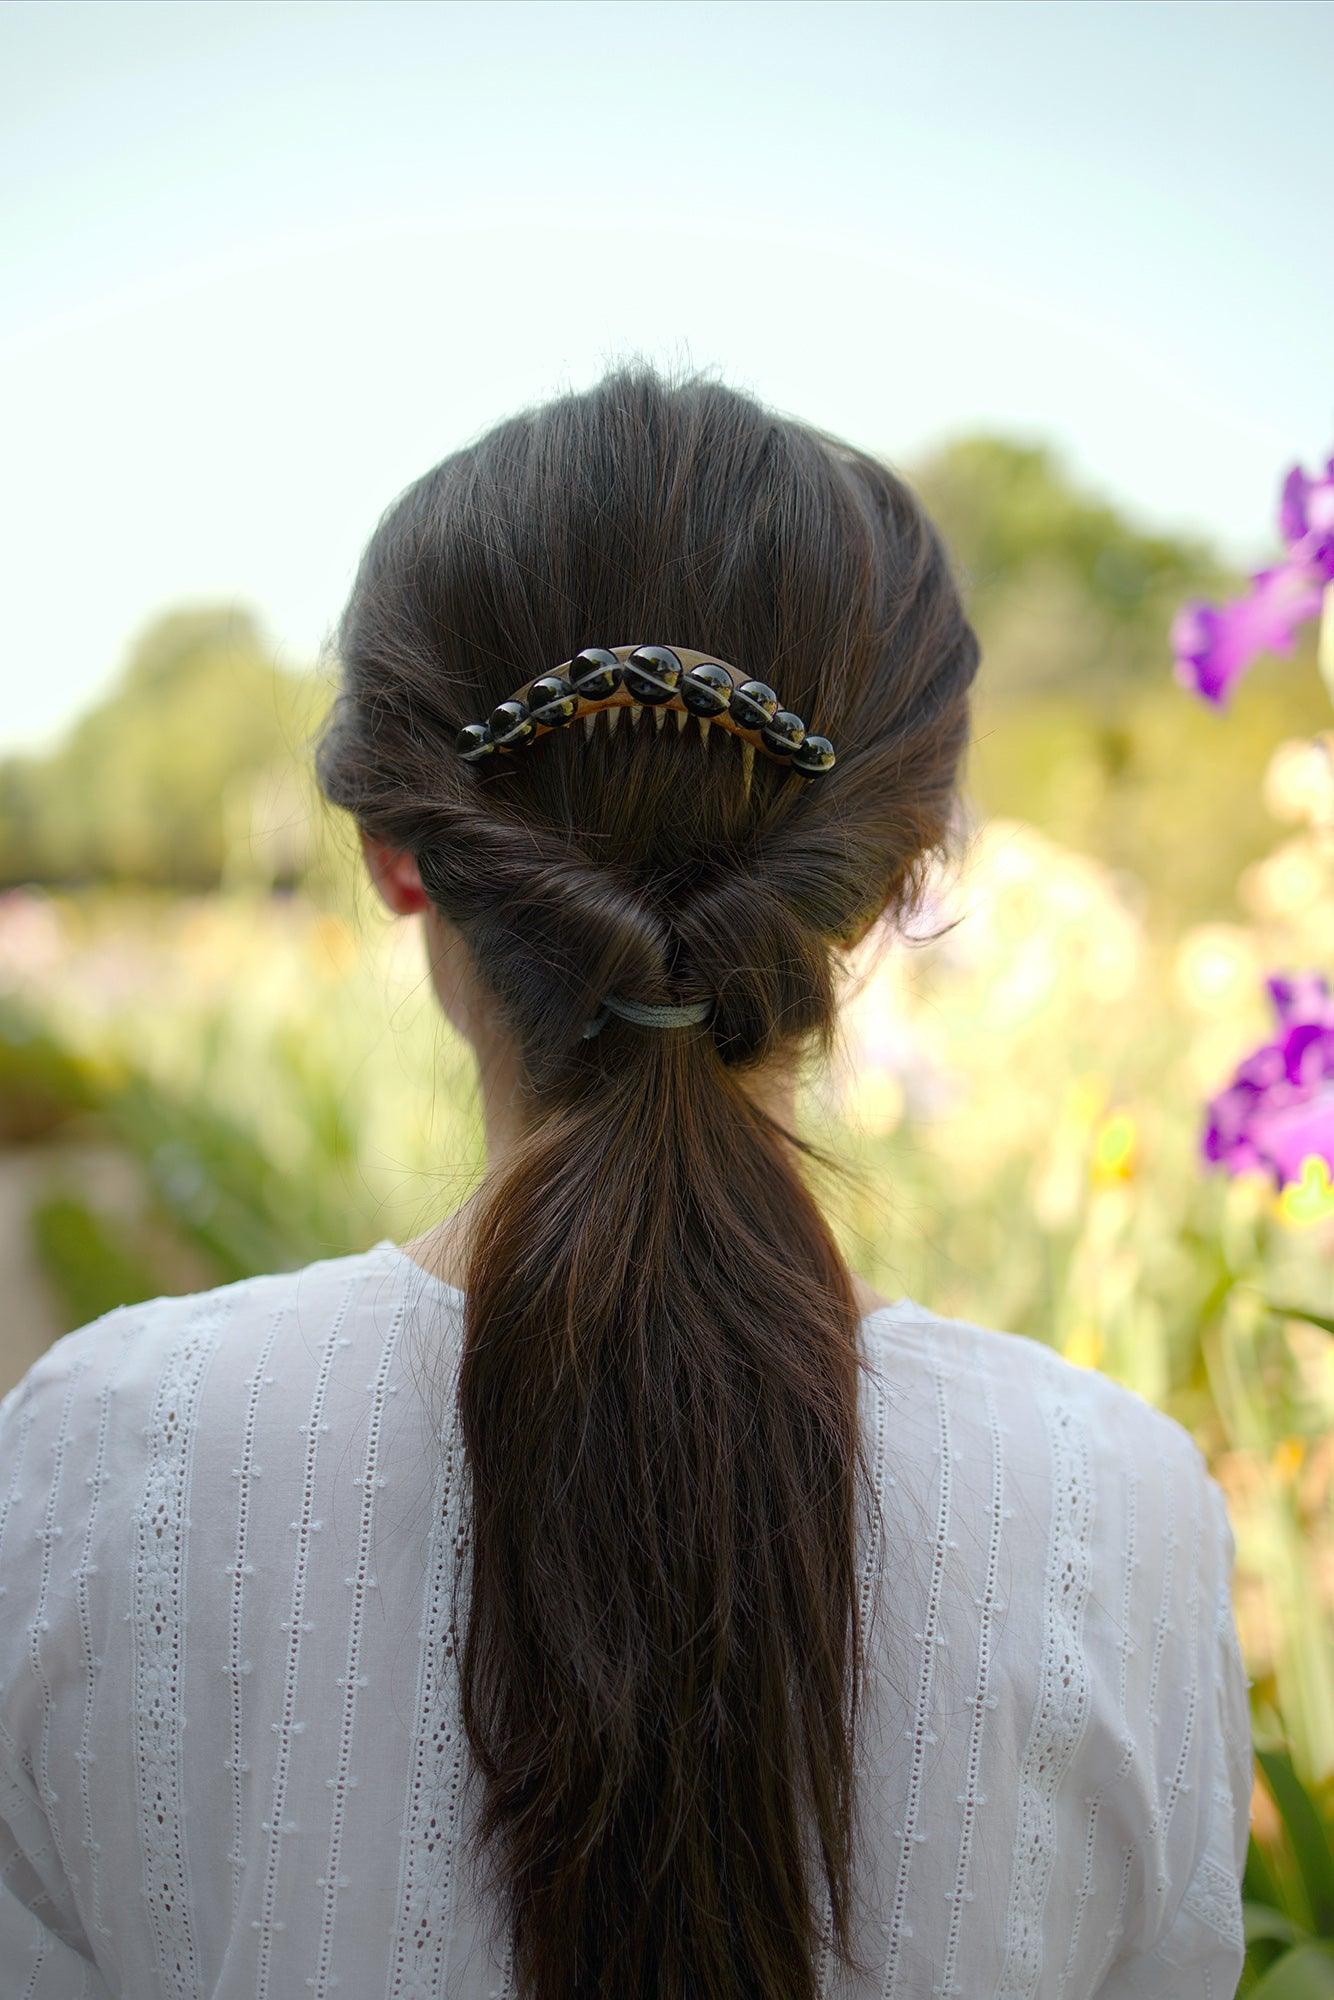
(444, 1249)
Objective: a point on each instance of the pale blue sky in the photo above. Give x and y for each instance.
(265, 263)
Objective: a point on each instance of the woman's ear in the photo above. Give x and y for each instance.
(395, 876)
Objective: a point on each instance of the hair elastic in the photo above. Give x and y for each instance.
(668, 680)
(646, 1016)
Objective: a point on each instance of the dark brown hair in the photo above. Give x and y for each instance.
(659, 1390)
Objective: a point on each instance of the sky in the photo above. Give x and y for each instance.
(265, 263)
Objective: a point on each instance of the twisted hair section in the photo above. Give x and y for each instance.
(662, 1670)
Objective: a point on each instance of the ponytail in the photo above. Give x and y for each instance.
(660, 1676)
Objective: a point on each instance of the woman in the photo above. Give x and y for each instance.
(609, 1593)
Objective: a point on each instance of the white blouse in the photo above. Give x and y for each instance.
(231, 1763)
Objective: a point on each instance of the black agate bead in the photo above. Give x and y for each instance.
(753, 705)
(474, 741)
(815, 755)
(707, 689)
(784, 735)
(552, 701)
(511, 725)
(595, 674)
(653, 674)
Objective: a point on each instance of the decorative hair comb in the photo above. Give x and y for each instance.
(670, 680)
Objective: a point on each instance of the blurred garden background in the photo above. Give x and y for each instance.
(217, 1056)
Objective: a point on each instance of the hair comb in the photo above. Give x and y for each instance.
(669, 680)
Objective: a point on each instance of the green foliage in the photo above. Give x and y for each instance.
(1064, 590)
(1306, 1973)
(196, 754)
(89, 1268)
(1325, 1324)
(1168, 791)
(1307, 1834)
(1288, 1891)
(221, 1190)
(43, 1085)
(204, 1172)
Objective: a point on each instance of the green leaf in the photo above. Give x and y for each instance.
(1304, 1974)
(1265, 1884)
(1264, 1925)
(87, 1260)
(1308, 1836)
(1302, 1312)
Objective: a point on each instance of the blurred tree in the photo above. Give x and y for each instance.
(1064, 589)
(145, 787)
(1080, 727)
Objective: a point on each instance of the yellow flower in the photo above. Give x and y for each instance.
(1310, 1199)
(1114, 1149)
(1287, 1458)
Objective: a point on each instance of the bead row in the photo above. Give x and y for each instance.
(655, 677)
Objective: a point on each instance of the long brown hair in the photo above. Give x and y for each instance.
(665, 1647)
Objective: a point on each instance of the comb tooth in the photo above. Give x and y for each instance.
(613, 717)
(657, 720)
(634, 711)
(747, 766)
(681, 719)
(704, 727)
(589, 720)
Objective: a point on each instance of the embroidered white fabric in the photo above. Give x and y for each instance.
(231, 1758)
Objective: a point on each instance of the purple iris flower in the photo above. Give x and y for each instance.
(1278, 1109)
(1214, 644)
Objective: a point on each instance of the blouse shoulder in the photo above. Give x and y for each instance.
(130, 1346)
(1081, 1454)
(1017, 1378)
(1104, 1542)
(108, 1405)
